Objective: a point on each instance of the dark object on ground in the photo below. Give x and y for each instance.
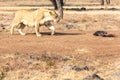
(3, 28)
(93, 77)
(103, 34)
(109, 35)
(77, 68)
(83, 9)
(100, 33)
(69, 26)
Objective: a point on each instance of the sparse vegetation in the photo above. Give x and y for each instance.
(73, 53)
(3, 72)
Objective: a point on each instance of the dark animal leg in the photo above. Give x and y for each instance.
(108, 2)
(55, 4)
(60, 8)
(102, 2)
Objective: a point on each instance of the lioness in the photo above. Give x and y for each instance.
(34, 18)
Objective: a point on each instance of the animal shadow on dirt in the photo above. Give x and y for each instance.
(56, 33)
(85, 9)
(59, 33)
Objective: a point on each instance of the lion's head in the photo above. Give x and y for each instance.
(51, 15)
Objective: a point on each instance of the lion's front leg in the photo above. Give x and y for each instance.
(12, 29)
(21, 28)
(52, 28)
(20, 31)
(37, 30)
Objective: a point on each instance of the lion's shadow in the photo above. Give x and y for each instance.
(59, 33)
(62, 33)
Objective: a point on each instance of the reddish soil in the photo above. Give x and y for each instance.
(62, 42)
(73, 45)
(100, 52)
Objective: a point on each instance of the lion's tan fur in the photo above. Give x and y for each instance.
(33, 18)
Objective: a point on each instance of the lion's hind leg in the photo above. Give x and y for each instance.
(11, 30)
(12, 27)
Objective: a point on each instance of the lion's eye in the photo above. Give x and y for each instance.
(51, 13)
(56, 16)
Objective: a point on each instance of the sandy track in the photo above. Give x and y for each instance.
(24, 56)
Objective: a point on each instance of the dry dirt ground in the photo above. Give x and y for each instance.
(73, 53)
